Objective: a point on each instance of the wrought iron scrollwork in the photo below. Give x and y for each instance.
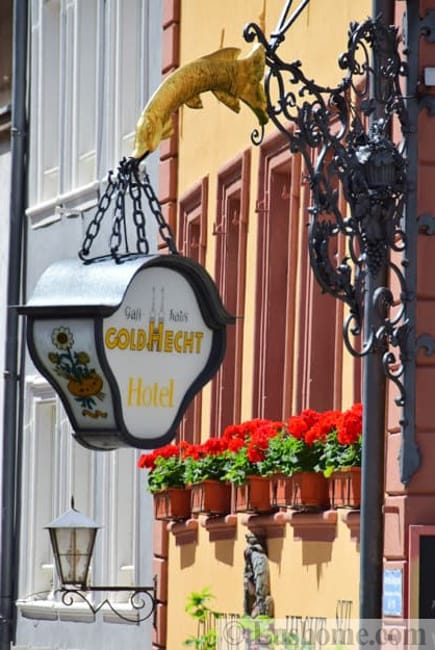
(357, 177)
(142, 601)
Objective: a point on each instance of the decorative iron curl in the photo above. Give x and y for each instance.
(343, 135)
(362, 162)
(141, 598)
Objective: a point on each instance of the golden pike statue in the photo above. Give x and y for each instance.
(230, 79)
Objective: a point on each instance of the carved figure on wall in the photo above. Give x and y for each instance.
(256, 580)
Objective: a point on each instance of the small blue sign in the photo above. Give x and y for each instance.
(392, 593)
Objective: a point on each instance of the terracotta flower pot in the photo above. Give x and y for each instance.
(345, 488)
(211, 497)
(281, 490)
(310, 490)
(173, 503)
(252, 496)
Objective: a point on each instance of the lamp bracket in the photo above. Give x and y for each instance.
(142, 600)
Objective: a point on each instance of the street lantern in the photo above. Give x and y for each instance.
(126, 344)
(72, 537)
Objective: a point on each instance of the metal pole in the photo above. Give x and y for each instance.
(10, 505)
(373, 457)
(373, 451)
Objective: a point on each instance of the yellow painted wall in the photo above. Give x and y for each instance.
(307, 578)
(213, 136)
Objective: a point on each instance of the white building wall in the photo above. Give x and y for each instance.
(5, 172)
(93, 65)
(5, 178)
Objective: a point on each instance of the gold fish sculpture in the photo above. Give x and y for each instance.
(227, 77)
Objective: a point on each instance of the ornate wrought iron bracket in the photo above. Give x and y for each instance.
(142, 601)
(343, 134)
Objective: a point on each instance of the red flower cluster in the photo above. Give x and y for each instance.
(183, 449)
(311, 426)
(148, 461)
(254, 435)
(249, 428)
(326, 423)
(210, 447)
(349, 425)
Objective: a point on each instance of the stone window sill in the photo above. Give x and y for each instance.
(185, 532)
(307, 526)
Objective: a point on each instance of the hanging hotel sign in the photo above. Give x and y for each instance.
(126, 345)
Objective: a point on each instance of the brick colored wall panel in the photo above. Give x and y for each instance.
(426, 183)
(422, 482)
(161, 536)
(168, 180)
(393, 485)
(425, 324)
(424, 388)
(425, 257)
(171, 12)
(400, 513)
(159, 631)
(160, 569)
(426, 128)
(171, 48)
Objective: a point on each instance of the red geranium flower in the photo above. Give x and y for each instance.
(235, 444)
(147, 461)
(349, 425)
(297, 426)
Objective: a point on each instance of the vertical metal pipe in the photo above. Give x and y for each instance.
(373, 459)
(373, 452)
(10, 504)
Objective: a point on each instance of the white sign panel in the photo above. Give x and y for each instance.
(156, 345)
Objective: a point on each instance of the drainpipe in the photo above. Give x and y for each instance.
(10, 505)
(374, 426)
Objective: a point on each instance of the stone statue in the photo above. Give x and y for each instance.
(256, 580)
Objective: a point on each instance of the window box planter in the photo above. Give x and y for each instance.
(211, 497)
(310, 491)
(281, 490)
(252, 496)
(173, 503)
(345, 488)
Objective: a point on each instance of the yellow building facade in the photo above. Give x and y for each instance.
(214, 179)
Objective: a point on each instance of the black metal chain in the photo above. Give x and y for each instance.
(142, 245)
(94, 227)
(155, 207)
(127, 180)
(119, 214)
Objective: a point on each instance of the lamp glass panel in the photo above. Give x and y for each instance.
(74, 548)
